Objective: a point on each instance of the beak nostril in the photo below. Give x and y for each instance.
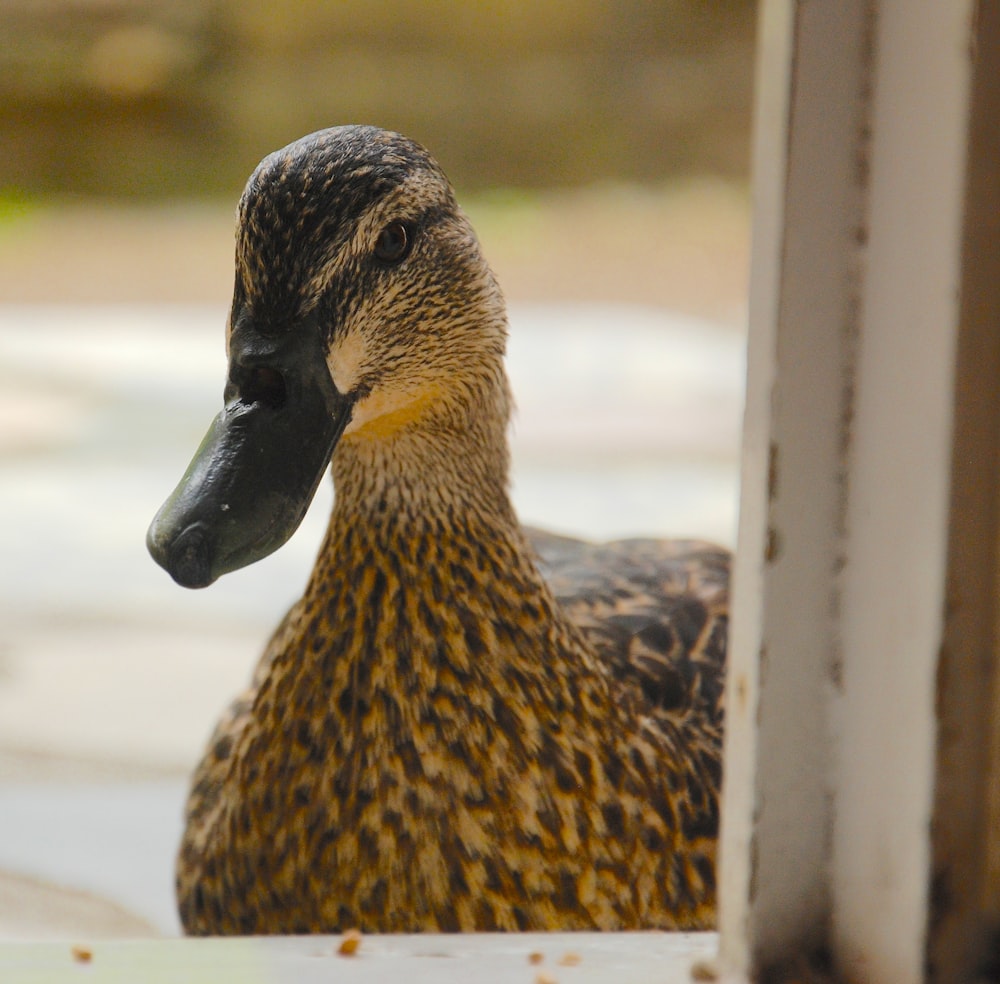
(263, 385)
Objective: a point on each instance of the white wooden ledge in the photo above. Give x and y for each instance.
(530, 958)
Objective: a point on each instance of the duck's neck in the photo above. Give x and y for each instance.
(451, 462)
(425, 573)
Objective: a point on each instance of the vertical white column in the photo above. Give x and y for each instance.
(809, 179)
(851, 490)
(900, 459)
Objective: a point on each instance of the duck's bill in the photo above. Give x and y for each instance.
(251, 480)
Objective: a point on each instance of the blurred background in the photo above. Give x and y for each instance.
(600, 148)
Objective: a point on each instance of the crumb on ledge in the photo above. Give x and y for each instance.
(82, 954)
(350, 943)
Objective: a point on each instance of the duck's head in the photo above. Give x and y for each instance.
(361, 303)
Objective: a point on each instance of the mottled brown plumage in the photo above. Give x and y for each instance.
(439, 737)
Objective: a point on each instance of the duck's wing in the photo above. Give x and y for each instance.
(656, 612)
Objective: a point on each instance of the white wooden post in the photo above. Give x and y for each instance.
(865, 612)
(808, 218)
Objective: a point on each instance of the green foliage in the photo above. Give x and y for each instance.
(15, 207)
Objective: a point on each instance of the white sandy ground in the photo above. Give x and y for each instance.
(111, 677)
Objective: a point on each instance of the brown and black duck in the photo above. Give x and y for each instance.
(463, 724)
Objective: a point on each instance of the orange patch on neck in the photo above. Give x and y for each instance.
(380, 415)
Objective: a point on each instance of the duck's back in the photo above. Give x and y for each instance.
(655, 612)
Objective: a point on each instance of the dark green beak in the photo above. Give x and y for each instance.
(255, 473)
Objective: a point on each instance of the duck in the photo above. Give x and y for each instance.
(463, 724)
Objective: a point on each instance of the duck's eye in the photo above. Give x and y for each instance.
(393, 243)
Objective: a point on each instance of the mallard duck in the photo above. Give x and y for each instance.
(462, 724)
